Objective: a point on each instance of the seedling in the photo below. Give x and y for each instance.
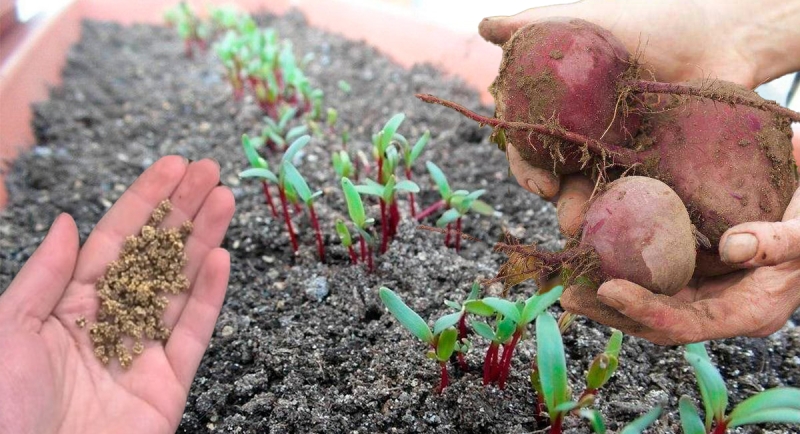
(442, 340)
(225, 18)
(381, 145)
(190, 29)
(410, 155)
(355, 207)
(457, 203)
(342, 164)
(778, 405)
(550, 380)
(459, 318)
(344, 86)
(346, 239)
(278, 134)
(261, 171)
(603, 367)
(300, 186)
(390, 214)
(521, 314)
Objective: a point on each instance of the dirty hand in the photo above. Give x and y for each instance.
(677, 41)
(50, 379)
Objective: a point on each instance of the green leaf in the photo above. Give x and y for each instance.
(539, 303)
(299, 184)
(252, 155)
(371, 190)
(596, 376)
(446, 321)
(595, 420)
(478, 307)
(551, 362)
(773, 415)
(642, 422)
(388, 190)
(343, 233)
(446, 344)
(453, 305)
(259, 173)
(407, 317)
(690, 418)
(474, 292)
(389, 130)
(294, 148)
(439, 179)
(507, 308)
(779, 397)
(418, 148)
(344, 86)
(483, 330)
(355, 207)
(614, 343)
(482, 208)
(448, 217)
(407, 186)
(296, 132)
(565, 407)
(712, 386)
(285, 117)
(505, 329)
(464, 203)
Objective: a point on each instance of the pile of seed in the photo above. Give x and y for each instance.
(131, 292)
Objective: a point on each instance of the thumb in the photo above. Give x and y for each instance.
(764, 243)
(38, 287)
(499, 29)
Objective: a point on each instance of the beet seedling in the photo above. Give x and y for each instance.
(460, 206)
(381, 144)
(410, 155)
(551, 376)
(602, 368)
(300, 186)
(459, 318)
(442, 340)
(778, 405)
(355, 207)
(346, 239)
(342, 164)
(259, 168)
(190, 29)
(278, 134)
(390, 214)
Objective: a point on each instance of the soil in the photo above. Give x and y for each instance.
(305, 347)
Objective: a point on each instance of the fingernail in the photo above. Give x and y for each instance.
(610, 302)
(739, 248)
(534, 187)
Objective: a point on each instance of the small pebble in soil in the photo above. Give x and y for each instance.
(317, 288)
(130, 292)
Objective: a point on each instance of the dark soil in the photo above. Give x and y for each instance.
(302, 347)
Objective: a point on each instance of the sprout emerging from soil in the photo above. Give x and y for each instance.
(549, 379)
(355, 207)
(456, 203)
(277, 135)
(300, 186)
(131, 290)
(191, 30)
(410, 155)
(778, 405)
(443, 340)
(390, 213)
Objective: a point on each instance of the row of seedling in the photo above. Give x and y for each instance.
(448, 341)
(390, 151)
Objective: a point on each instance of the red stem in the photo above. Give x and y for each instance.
(619, 154)
(458, 235)
(363, 244)
(287, 219)
(410, 195)
(508, 353)
(315, 225)
(394, 214)
(710, 93)
(488, 363)
(462, 362)
(371, 265)
(353, 256)
(430, 210)
(384, 227)
(445, 378)
(555, 428)
(268, 198)
(380, 169)
(721, 427)
(447, 236)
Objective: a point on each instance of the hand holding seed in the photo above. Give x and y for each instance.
(49, 364)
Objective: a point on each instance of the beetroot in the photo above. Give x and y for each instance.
(562, 72)
(637, 229)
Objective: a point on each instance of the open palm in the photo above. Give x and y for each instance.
(50, 379)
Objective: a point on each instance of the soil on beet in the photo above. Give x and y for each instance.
(305, 347)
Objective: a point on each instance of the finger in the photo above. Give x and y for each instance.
(538, 181)
(575, 193)
(672, 322)
(758, 244)
(128, 215)
(210, 226)
(40, 284)
(200, 178)
(498, 30)
(583, 300)
(190, 337)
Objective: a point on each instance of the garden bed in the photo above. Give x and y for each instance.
(307, 347)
